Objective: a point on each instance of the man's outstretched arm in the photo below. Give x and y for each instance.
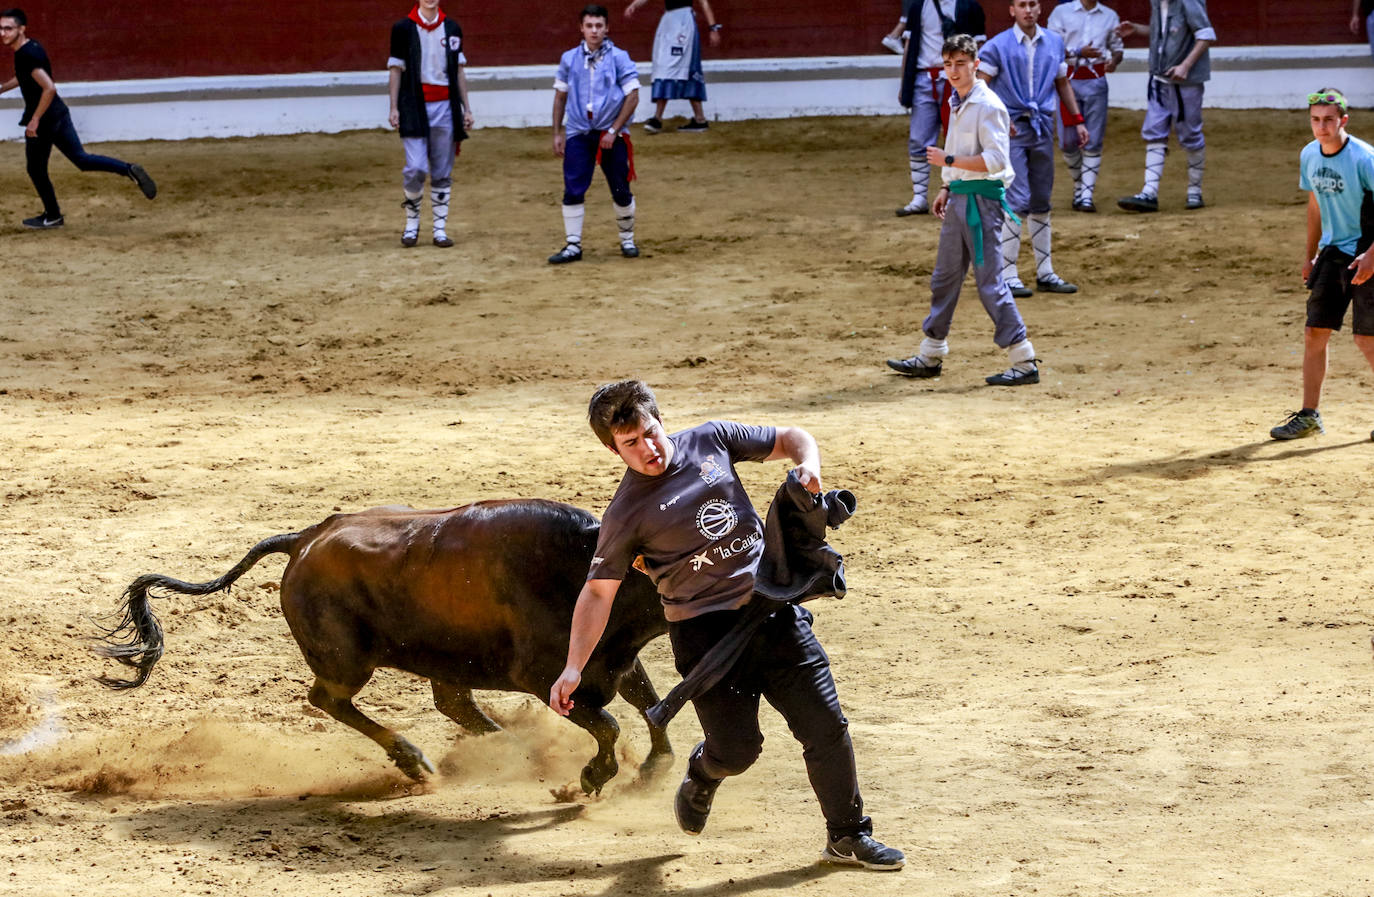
(588, 623)
(800, 448)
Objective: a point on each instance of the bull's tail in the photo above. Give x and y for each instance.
(135, 638)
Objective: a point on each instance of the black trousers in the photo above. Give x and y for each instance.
(61, 133)
(787, 665)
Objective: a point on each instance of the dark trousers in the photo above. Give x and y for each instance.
(580, 156)
(787, 665)
(61, 133)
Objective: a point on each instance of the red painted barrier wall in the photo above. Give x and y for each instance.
(92, 41)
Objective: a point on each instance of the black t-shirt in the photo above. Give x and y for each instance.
(699, 534)
(28, 59)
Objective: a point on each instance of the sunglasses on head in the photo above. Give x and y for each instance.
(1326, 99)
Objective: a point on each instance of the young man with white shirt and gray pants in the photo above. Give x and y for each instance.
(1179, 34)
(976, 167)
(924, 89)
(1092, 49)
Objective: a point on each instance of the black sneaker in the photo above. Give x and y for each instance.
(43, 222)
(692, 805)
(1013, 377)
(915, 207)
(143, 179)
(1194, 201)
(570, 253)
(862, 850)
(652, 126)
(694, 126)
(629, 249)
(1139, 202)
(1299, 424)
(914, 367)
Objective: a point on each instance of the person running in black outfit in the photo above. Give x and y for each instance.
(48, 124)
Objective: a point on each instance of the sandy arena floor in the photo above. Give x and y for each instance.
(1103, 637)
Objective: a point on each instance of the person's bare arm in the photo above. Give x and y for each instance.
(1070, 102)
(11, 84)
(1354, 18)
(467, 97)
(1314, 235)
(710, 21)
(627, 111)
(560, 105)
(49, 91)
(590, 614)
(799, 447)
(393, 87)
(1180, 72)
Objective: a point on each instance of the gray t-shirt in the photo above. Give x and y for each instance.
(696, 528)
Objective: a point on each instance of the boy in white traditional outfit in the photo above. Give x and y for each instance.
(1092, 49)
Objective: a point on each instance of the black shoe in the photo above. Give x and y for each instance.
(1056, 284)
(629, 249)
(652, 126)
(915, 207)
(1299, 424)
(1194, 202)
(692, 805)
(409, 238)
(694, 126)
(862, 850)
(1013, 377)
(914, 367)
(442, 240)
(143, 179)
(570, 253)
(43, 222)
(1084, 205)
(1020, 291)
(1139, 203)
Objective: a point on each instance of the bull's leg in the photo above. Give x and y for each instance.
(455, 702)
(337, 701)
(605, 730)
(638, 691)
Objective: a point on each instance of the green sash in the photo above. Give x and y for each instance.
(981, 187)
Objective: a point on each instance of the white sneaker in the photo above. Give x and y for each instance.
(893, 44)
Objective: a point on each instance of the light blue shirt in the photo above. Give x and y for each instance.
(596, 85)
(1342, 183)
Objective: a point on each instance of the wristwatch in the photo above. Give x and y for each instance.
(717, 27)
(949, 160)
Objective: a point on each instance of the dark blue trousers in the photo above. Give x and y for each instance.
(579, 164)
(61, 133)
(785, 664)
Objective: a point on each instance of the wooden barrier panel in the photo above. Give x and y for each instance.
(101, 41)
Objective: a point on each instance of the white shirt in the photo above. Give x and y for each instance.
(980, 126)
(1082, 28)
(933, 34)
(433, 65)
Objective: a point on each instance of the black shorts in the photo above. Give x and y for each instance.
(1333, 293)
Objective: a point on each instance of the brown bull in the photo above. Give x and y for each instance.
(474, 597)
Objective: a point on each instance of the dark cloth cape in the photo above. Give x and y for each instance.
(797, 565)
(410, 102)
(968, 19)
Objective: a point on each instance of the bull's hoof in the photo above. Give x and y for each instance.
(410, 760)
(595, 777)
(655, 764)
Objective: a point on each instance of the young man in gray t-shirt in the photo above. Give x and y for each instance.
(683, 513)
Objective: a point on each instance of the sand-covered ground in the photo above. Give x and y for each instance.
(1103, 636)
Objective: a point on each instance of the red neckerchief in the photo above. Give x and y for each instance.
(415, 17)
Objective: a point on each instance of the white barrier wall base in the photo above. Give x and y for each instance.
(521, 96)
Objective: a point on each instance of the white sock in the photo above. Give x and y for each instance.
(438, 204)
(1092, 163)
(1011, 248)
(625, 221)
(1074, 159)
(1197, 163)
(1154, 167)
(412, 207)
(1022, 356)
(920, 180)
(572, 223)
(1040, 243)
(933, 351)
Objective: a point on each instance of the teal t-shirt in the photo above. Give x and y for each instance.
(1344, 186)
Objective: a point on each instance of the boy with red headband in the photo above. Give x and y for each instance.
(429, 92)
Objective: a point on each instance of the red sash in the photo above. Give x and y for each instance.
(939, 91)
(629, 151)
